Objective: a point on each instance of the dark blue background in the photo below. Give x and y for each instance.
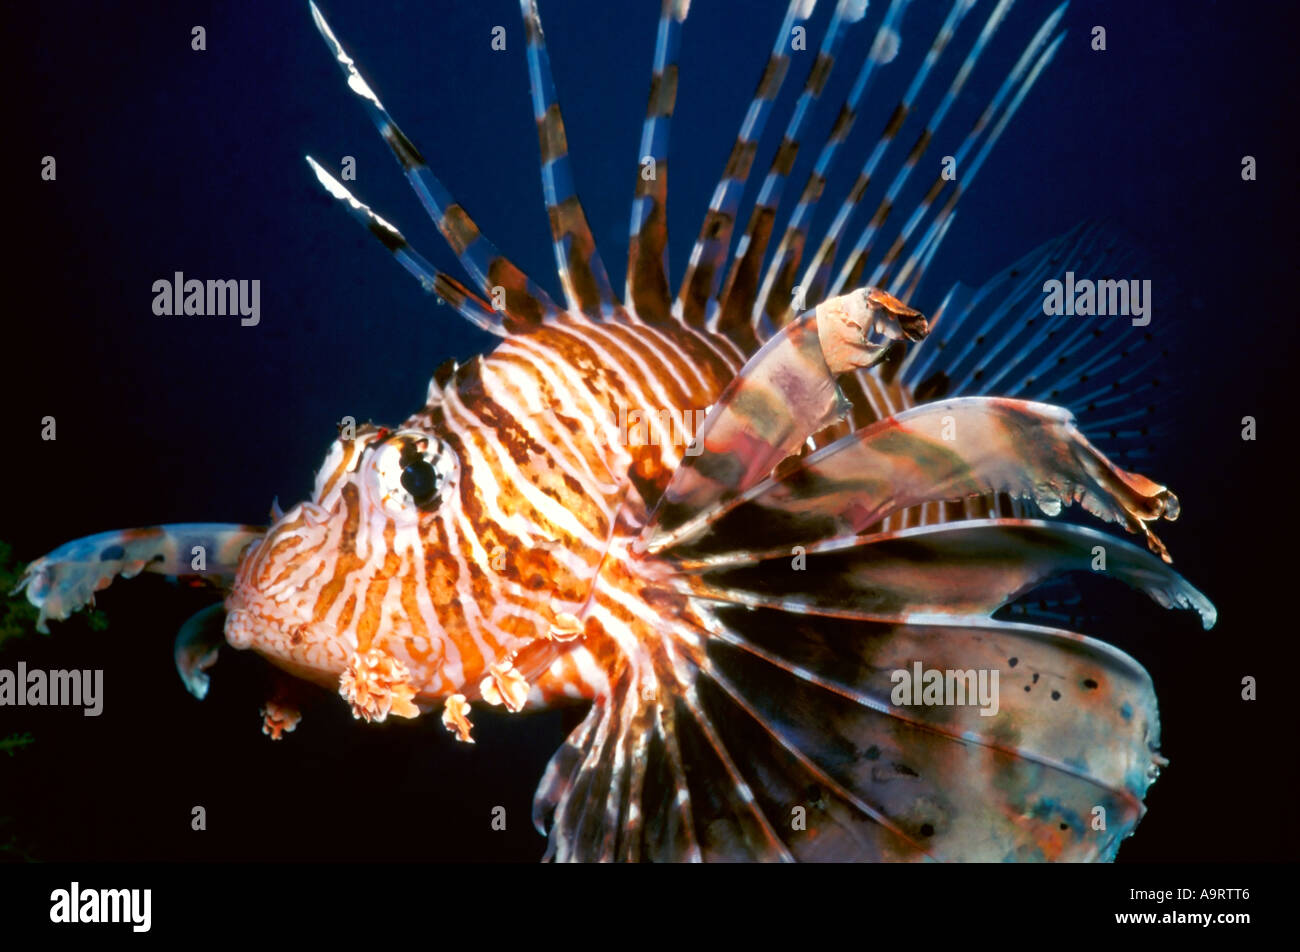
(171, 159)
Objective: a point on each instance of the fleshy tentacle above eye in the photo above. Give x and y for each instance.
(66, 579)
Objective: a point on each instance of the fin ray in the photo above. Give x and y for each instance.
(582, 273)
(480, 258)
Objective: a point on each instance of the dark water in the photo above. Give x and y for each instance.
(175, 160)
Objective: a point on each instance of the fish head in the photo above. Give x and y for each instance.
(346, 574)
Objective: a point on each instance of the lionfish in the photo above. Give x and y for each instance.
(734, 602)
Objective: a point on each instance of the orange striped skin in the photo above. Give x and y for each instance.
(532, 529)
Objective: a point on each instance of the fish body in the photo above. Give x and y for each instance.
(766, 526)
(531, 530)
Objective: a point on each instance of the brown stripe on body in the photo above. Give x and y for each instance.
(709, 358)
(665, 380)
(572, 347)
(687, 349)
(508, 431)
(582, 455)
(349, 609)
(534, 463)
(270, 558)
(650, 467)
(292, 565)
(492, 536)
(420, 644)
(442, 576)
(372, 613)
(516, 442)
(346, 561)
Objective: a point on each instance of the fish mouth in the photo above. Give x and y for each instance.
(293, 644)
(252, 622)
(244, 627)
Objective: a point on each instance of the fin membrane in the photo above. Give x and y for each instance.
(796, 749)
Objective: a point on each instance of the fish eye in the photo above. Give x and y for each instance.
(408, 472)
(420, 480)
